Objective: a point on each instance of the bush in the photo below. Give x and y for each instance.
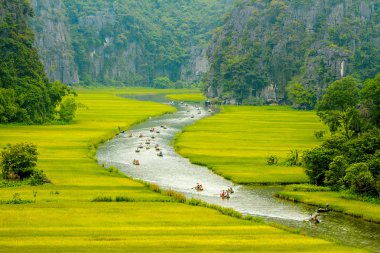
(319, 134)
(293, 158)
(67, 108)
(38, 178)
(337, 170)
(102, 198)
(124, 199)
(18, 161)
(272, 160)
(359, 179)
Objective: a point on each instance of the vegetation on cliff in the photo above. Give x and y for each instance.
(266, 45)
(25, 93)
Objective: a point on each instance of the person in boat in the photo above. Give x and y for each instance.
(223, 194)
(137, 150)
(136, 162)
(230, 190)
(141, 135)
(199, 187)
(130, 135)
(323, 210)
(160, 154)
(313, 218)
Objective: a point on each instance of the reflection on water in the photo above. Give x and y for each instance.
(175, 172)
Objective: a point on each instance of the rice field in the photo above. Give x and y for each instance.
(187, 97)
(62, 217)
(237, 142)
(359, 209)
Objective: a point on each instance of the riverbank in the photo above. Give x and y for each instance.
(237, 142)
(65, 216)
(337, 201)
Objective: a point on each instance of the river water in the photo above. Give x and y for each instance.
(171, 171)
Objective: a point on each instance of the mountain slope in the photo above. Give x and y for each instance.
(125, 42)
(266, 44)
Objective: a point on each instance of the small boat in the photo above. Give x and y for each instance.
(192, 116)
(140, 145)
(323, 210)
(160, 154)
(157, 131)
(199, 112)
(136, 162)
(130, 135)
(137, 150)
(230, 190)
(141, 136)
(147, 147)
(153, 137)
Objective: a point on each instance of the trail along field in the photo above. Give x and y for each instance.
(64, 218)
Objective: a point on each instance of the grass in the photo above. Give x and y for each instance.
(237, 142)
(187, 97)
(337, 202)
(62, 217)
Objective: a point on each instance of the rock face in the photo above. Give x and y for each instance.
(54, 41)
(125, 42)
(264, 45)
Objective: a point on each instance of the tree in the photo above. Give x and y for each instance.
(359, 179)
(370, 96)
(67, 108)
(18, 160)
(301, 97)
(163, 82)
(338, 107)
(337, 168)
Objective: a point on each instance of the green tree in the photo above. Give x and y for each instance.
(337, 169)
(19, 160)
(359, 179)
(163, 82)
(301, 97)
(67, 108)
(370, 97)
(338, 107)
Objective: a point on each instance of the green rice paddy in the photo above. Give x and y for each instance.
(187, 97)
(237, 142)
(338, 202)
(62, 217)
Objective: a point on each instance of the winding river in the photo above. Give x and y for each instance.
(171, 171)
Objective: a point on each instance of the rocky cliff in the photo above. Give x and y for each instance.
(125, 42)
(264, 45)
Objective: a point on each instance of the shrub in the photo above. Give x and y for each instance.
(319, 134)
(359, 179)
(155, 188)
(177, 196)
(102, 198)
(293, 158)
(18, 160)
(67, 108)
(38, 178)
(337, 170)
(272, 160)
(124, 199)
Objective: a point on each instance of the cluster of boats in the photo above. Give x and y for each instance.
(226, 194)
(148, 142)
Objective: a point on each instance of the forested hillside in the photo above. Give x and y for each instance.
(266, 45)
(125, 42)
(26, 95)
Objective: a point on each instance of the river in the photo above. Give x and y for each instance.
(171, 171)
